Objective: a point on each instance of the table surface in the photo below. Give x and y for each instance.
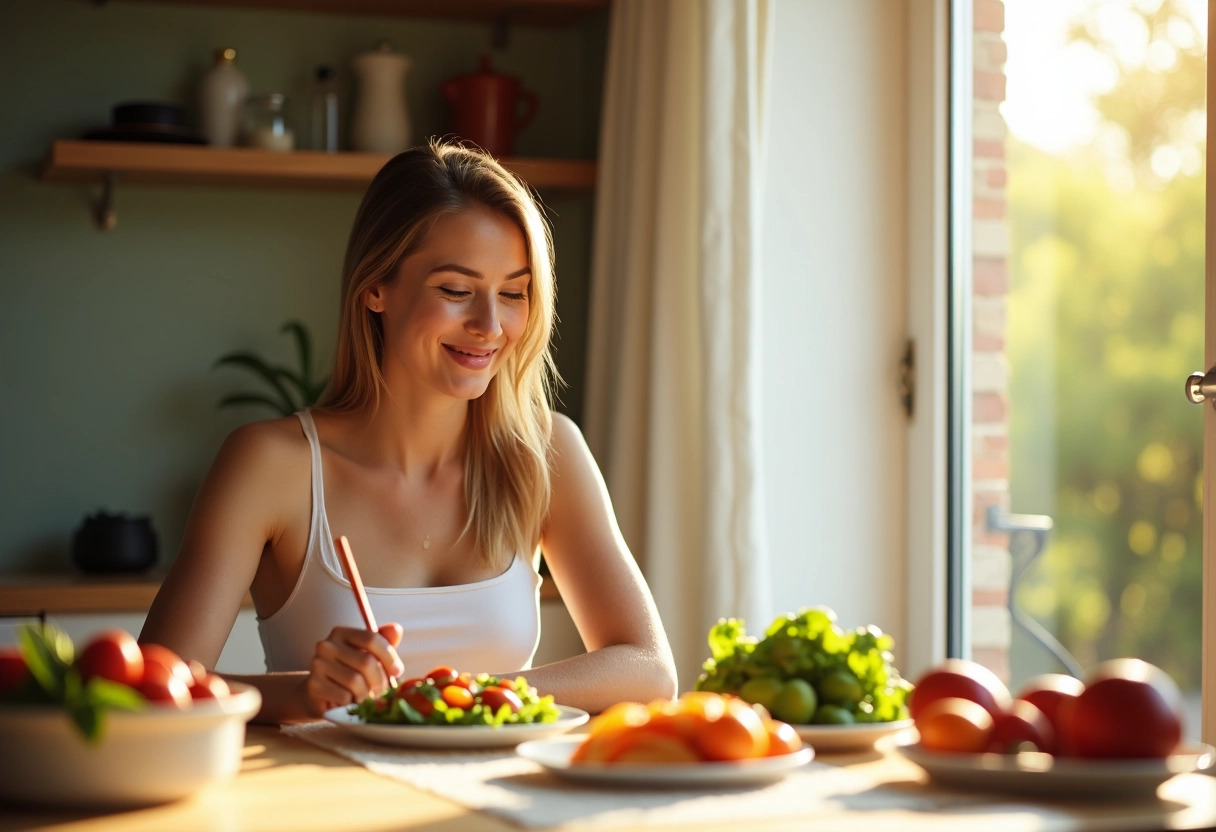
(287, 783)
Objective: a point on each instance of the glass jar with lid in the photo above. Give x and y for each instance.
(266, 123)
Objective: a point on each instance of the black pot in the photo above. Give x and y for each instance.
(107, 543)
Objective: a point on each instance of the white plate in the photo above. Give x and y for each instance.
(1031, 772)
(828, 738)
(457, 736)
(554, 755)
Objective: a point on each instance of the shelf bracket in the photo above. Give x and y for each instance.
(104, 216)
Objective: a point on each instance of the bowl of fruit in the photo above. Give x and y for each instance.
(113, 725)
(1117, 733)
(838, 687)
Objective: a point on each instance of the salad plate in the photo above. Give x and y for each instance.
(457, 736)
(1032, 772)
(857, 737)
(554, 754)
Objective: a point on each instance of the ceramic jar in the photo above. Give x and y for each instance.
(221, 96)
(380, 121)
(489, 108)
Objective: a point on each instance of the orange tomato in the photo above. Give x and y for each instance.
(697, 726)
(620, 715)
(782, 738)
(738, 734)
(647, 746)
(457, 696)
(954, 724)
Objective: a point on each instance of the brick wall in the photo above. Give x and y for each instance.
(990, 630)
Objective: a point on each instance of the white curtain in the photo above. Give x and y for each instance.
(673, 387)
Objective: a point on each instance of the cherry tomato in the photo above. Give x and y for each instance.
(157, 654)
(211, 686)
(456, 696)
(442, 675)
(1129, 709)
(13, 669)
(964, 679)
(161, 685)
(416, 699)
(112, 654)
(494, 697)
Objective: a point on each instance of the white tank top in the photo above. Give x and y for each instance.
(490, 626)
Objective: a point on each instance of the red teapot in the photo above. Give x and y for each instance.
(489, 108)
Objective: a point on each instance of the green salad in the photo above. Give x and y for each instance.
(807, 669)
(446, 697)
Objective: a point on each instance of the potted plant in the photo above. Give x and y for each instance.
(290, 389)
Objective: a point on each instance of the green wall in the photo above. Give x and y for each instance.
(107, 393)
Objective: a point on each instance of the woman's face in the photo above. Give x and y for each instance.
(456, 306)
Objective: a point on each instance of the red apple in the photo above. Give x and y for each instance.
(1048, 692)
(1022, 728)
(964, 679)
(1129, 709)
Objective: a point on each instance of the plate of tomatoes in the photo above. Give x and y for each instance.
(449, 709)
(1116, 733)
(701, 739)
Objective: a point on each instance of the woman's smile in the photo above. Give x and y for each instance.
(471, 357)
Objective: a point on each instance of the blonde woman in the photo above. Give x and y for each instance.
(434, 450)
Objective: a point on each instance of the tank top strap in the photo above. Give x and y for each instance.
(320, 540)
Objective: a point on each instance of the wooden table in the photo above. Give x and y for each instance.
(289, 784)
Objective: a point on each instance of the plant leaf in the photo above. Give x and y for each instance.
(262, 370)
(103, 693)
(48, 653)
(235, 399)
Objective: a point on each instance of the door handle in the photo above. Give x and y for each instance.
(1201, 387)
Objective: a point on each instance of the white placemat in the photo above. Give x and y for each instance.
(507, 785)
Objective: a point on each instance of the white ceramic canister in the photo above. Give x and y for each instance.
(221, 96)
(380, 122)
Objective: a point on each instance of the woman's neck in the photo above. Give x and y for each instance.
(417, 438)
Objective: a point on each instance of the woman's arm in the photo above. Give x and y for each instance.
(628, 655)
(257, 491)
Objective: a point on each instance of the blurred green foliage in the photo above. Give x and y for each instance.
(1105, 321)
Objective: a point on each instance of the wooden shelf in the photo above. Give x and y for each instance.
(31, 595)
(536, 12)
(170, 164)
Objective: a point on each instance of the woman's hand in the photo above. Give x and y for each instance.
(350, 665)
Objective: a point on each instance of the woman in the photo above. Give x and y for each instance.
(435, 452)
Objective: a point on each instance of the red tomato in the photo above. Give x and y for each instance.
(161, 685)
(494, 697)
(156, 654)
(951, 723)
(211, 686)
(1022, 728)
(13, 669)
(457, 697)
(964, 679)
(112, 654)
(442, 675)
(1129, 709)
(1048, 693)
(416, 699)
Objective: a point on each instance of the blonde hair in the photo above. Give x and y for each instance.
(506, 470)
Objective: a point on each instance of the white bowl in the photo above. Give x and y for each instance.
(156, 755)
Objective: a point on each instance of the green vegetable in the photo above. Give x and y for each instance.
(54, 680)
(849, 671)
(390, 709)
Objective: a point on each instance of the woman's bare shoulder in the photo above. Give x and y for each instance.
(268, 446)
